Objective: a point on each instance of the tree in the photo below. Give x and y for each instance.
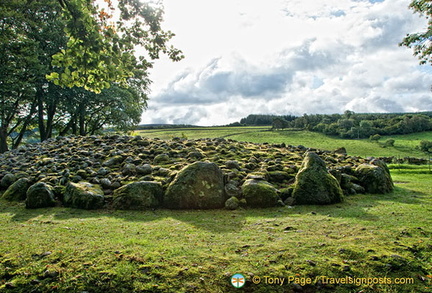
(375, 137)
(421, 42)
(87, 112)
(19, 69)
(426, 146)
(74, 44)
(102, 50)
(279, 123)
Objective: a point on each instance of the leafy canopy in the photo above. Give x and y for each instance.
(421, 42)
(102, 42)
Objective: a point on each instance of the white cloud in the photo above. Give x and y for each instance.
(287, 57)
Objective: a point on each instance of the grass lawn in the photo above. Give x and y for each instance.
(405, 145)
(367, 236)
(369, 243)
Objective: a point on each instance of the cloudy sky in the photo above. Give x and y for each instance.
(287, 57)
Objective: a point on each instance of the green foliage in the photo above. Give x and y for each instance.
(261, 120)
(375, 137)
(426, 146)
(97, 79)
(390, 142)
(421, 42)
(100, 51)
(279, 123)
(350, 124)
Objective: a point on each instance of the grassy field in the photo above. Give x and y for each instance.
(372, 243)
(405, 145)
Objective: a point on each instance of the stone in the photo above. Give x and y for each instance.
(375, 177)
(145, 169)
(7, 180)
(40, 195)
(195, 155)
(162, 158)
(231, 164)
(279, 176)
(105, 183)
(341, 151)
(231, 189)
(314, 184)
(116, 160)
(259, 193)
(196, 186)
(84, 195)
(82, 173)
(129, 169)
(138, 196)
(17, 191)
(232, 203)
(103, 171)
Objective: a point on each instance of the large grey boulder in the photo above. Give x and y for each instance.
(314, 184)
(7, 180)
(197, 186)
(375, 177)
(259, 193)
(40, 195)
(17, 191)
(84, 195)
(138, 196)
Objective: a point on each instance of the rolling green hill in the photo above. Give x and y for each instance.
(405, 145)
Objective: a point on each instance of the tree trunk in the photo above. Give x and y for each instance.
(82, 130)
(3, 140)
(27, 121)
(42, 130)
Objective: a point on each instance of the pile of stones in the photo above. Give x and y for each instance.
(133, 172)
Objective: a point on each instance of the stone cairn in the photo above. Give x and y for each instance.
(132, 172)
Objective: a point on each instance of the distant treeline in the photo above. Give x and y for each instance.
(264, 120)
(349, 124)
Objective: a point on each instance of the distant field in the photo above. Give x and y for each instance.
(405, 145)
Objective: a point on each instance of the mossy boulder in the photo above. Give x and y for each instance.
(375, 177)
(259, 193)
(314, 184)
(196, 186)
(138, 196)
(7, 180)
(40, 195)
(115, 160)
(232, 203)
(17, 191)
(279, 176)
(84, 195)
(161, 158)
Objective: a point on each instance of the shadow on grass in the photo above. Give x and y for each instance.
(217, 221)
(358, 206)
(222, 221)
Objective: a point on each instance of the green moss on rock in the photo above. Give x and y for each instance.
(40, 195)
(138, 196)
(232, 203)
(375, 177)
(197, 186)
(17, 191)
(259, 193)
(84, 195)
(314, 184)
